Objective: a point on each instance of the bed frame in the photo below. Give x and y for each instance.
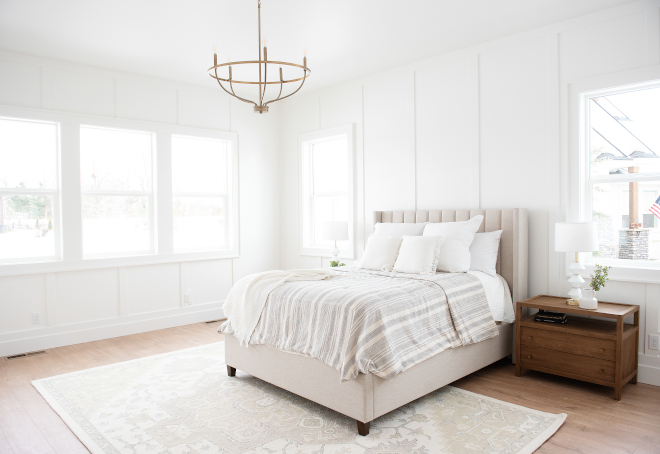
(368, 397)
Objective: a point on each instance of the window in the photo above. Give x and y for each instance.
(622, 166)
(116, 177)
(326, 161)
(29, 201)
(201, 179)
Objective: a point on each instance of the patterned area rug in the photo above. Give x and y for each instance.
(183, 403)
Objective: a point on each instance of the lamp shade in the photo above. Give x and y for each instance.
(335, 230)
(576, 237)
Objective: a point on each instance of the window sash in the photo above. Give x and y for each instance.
(151, 218)
(225, 195)
(57, 254)
(52, 192)
(150, 195)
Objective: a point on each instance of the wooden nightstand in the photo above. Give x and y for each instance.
(595, 351)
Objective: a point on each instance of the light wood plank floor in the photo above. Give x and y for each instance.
(596, 422)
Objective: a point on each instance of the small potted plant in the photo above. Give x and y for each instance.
(334, 263)
(598, 279)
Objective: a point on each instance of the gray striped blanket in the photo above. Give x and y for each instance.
(374, 322)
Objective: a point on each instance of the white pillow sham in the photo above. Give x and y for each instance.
(399, 229)
(418, 255)
(483, 252)
(455, 250)
(454, 257)
(380, 253)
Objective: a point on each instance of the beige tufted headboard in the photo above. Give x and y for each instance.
(512, 261)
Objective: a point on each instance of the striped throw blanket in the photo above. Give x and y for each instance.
(376, 322)
(247, 298)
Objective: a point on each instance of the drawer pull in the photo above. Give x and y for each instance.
(602, 371)
(529, 356)
(530, 337)
(602, 350)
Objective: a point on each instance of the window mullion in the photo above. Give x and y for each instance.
(71, 195)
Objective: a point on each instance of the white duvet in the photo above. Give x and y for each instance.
(498, 296)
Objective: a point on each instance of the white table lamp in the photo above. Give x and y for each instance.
(576, 237)
(335, 231)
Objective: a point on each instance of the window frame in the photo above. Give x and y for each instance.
(226, 196)
(576, 201)
(150, 195)
(70, 199)
(307, 196)
(54, 193)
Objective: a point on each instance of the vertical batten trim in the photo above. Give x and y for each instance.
(367, 230)
(414, 131)
(475, 135)
(123, 291)
(70, 195)
(554, 161)
(652, 15)
(183, 280)
(41, 87)
(51, 299)
(162, 199)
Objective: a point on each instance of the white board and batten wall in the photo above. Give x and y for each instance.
(485, 127)
(80, 305)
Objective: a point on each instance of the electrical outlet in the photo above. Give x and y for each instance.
(187, 298)
(36, 318)
(654, 340)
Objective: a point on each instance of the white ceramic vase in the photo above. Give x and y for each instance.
(588, 300)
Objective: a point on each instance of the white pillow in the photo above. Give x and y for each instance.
(455, 250)
(483, 251)
(454, 257)
(418, 255)
(399, 229)
(380, 253)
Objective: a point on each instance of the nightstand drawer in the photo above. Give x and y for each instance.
(569, 343)
(584, 366)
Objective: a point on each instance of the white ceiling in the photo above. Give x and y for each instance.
(345, 39)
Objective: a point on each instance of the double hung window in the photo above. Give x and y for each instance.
(326, 161)
(29, 196)
(116, 177)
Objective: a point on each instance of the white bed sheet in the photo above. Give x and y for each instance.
(498, 296)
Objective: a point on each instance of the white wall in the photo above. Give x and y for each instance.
(485, 127)
(83, 305)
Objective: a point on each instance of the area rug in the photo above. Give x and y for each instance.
(183, 402)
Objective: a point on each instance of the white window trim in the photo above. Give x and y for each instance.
(69, 192)
(578, 202)
(54, 193)
(346, 130)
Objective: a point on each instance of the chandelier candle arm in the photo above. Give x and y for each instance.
(262, 105)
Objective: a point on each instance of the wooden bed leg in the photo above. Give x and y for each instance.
(363, 428)
(231, 371)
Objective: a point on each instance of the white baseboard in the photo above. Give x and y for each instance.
(59, 336)
(649, 370)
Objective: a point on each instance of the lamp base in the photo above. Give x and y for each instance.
(576, 282)
(335, 254)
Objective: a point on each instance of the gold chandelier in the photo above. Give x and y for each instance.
(262, 105)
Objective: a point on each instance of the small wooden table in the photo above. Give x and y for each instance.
(595, 351)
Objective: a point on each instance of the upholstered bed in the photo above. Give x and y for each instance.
(368, 396)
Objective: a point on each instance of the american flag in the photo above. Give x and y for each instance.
(655, 208)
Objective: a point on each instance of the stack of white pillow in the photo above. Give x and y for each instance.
(425, 248)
